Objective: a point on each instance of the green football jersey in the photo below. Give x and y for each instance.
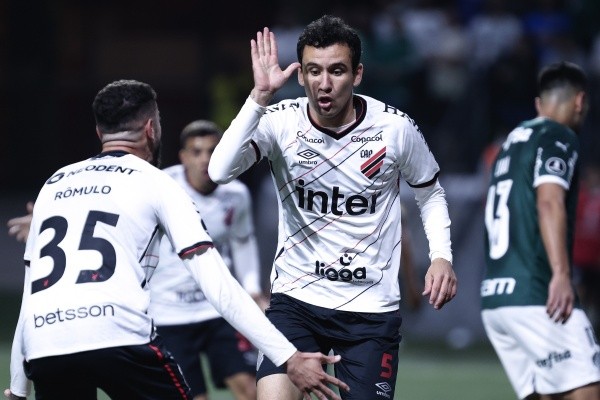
(517, 269)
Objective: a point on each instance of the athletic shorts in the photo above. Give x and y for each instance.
(367, 342)
(145, 371)
(227, 351)
(540, 355)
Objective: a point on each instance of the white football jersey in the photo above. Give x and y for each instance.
(93, 225)
(339, 201)
(227, 212)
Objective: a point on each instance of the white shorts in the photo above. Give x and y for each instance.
(539, 355)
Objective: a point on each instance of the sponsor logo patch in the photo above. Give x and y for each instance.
(556, 166)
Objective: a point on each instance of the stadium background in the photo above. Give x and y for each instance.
(418, 56)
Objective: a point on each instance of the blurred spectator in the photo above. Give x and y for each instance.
(448, 60)
(287, 29)
(594, 57)
(547, 22)
(390, 58)
(586, 251)
(492, 33)
(424, 24)
(511, 86)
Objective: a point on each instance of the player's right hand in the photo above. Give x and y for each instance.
(268, 75)
(305, 370)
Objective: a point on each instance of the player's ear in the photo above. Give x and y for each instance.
(538, 105)
(300, 76)
(149, 129)
(580, 101)
(358, 75)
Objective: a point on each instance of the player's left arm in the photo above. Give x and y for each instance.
(440, 279)
(556, 161)
(552, 216)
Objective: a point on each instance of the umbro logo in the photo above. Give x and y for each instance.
(384, 389)
(384, 386)
(308, 154)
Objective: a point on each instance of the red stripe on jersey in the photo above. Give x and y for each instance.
(373, 158)
(374, 170)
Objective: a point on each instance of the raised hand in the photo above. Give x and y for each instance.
(268, 75)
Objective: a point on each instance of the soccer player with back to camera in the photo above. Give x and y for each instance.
(529, 306)
(184, 318)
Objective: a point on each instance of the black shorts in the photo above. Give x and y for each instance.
(227, 351)
(367, 342)
(127, 372)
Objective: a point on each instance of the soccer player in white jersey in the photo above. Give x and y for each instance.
(184, 318)
(186, 321)
(529, 307)
(90, 254)
(336, 159)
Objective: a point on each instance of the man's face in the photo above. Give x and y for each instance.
(328, 80)
(195, 156)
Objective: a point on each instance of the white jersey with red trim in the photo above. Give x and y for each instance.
(227, 212)
(339, 201)
(90, 253)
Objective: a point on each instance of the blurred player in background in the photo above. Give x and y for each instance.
(336, 159)
(89, 257)
(189, 324)
(530, 311)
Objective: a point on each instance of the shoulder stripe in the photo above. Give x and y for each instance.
(195, 248)
(256, 150)
(428, 183)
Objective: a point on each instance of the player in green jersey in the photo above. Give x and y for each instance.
(530, 311)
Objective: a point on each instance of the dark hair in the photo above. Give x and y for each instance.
(329, 30)
(199, 128)
(122, 105)
(561, 75)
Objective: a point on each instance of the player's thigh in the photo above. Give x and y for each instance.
(513, 356)
(140, 372)
(568, 356)
(60, 377)
(186, 342)
(229, 353)
(369, 364)
(277, 387)
(560, 357)
(297, 323)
